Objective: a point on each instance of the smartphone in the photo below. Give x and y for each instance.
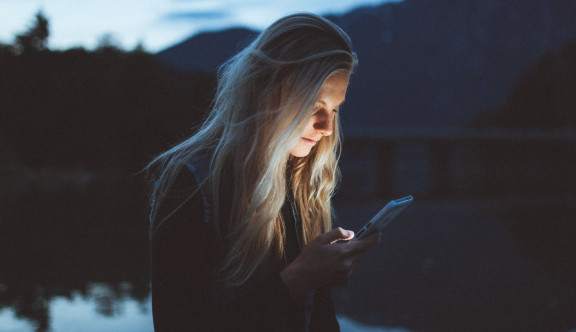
(383, 218)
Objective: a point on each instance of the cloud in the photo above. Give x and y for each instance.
(196, 15)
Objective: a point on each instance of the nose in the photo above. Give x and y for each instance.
(324, 123)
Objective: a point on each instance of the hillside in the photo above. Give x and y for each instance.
(423, 63)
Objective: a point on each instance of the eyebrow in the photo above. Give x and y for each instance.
(324, 103)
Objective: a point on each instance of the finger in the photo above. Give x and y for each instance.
(335, 235)
(359, 246)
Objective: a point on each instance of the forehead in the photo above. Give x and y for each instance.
(334, 89)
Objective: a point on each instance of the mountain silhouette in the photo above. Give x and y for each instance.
(422, 63)
(206, 51)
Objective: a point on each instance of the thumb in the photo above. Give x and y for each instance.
(334, 235)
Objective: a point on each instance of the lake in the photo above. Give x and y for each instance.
(75, 258)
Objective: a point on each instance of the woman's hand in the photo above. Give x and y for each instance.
(325, 262)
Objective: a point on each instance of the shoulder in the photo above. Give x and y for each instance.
(189, 189)
(184, 203)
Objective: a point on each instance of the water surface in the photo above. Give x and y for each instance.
(78, 260)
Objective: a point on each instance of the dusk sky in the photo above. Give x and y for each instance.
(156, 24)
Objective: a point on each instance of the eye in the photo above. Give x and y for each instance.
(335, 110)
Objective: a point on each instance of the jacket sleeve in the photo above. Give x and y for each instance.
(185, 295)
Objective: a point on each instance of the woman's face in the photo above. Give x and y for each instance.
(331, 96)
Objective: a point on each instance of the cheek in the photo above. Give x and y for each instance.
(309, 127)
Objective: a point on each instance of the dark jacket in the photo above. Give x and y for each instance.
(185, 296)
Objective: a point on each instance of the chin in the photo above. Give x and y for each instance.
(299, 153)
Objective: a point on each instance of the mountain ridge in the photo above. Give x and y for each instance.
(423, 63)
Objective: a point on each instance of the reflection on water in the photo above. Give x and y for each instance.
(89, 314)
(78, 260)
(62, 240)
(81, 314)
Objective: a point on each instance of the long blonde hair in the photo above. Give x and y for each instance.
(266, 94)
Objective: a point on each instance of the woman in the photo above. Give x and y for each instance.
(241, 218)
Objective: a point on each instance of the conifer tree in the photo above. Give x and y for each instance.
(35, 39)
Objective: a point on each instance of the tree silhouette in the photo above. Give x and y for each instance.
(35, 39)
(107, 109)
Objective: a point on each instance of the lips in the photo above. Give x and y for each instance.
(309, 141)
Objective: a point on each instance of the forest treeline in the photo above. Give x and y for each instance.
(102, 110)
